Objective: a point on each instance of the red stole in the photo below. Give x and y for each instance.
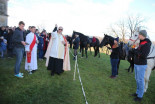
(31, 47)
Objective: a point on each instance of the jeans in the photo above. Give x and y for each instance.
(41, 54)
(114, 63)
(139, 76)
(19, 56)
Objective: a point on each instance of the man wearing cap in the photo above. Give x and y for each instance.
(140, 63)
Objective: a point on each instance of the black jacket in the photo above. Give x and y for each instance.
(141, 53)
(18, 36)
(76, 43)
(3, 33)
(115, 53)
(9, 41)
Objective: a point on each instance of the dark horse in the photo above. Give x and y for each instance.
(122, 54)
(86, 42)
(126, 53)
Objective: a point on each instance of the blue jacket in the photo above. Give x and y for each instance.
(76, 43)
(41, 42)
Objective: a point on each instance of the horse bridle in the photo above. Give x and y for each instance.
(133, 42)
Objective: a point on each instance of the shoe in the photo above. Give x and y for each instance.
(33, 71)
(112, 77)
(138, 99)
(19, 76)
(134, 94)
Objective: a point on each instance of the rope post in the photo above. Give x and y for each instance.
(75, 67)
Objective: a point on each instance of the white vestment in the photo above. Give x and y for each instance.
(33, 64)
(64, 51)
(57, 49)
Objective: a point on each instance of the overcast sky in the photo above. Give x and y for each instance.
(91, 17)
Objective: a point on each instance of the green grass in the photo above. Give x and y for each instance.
(41, 88)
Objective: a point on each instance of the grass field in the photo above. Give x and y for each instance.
(41, 88)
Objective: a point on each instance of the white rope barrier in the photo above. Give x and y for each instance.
(76, 67)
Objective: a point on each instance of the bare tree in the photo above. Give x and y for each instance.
(119, 29)
(134, 22)
(41, 27)
(127, 27)
(123, 29)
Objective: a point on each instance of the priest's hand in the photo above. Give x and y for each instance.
(23, 43)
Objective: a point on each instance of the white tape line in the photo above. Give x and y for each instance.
(71, 52)
(82, 85)
(76, 67)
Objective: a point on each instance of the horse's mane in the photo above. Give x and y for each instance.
(78, 33)
(109, 36)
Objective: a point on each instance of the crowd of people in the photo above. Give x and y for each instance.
(7, 45)
(18, 42)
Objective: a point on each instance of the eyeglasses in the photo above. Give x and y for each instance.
(61, 29)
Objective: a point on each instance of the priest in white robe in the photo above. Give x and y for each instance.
(57, 54)
(31, 51)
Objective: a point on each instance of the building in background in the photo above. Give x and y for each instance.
(3, 12)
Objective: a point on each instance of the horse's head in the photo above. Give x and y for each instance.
(107, 40)
(68, 38)
(73, 35)
(134, 40)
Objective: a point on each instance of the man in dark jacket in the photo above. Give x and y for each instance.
(9, 43)
(140, 63)
(40, 46)
(18, 41)
(76, 45)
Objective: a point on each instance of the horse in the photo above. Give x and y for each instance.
(126, 53)
(122, 54)
(84, 42)
(95, 45)
(134, 41)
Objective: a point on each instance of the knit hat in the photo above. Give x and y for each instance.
(143, 33)
(117, 39)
